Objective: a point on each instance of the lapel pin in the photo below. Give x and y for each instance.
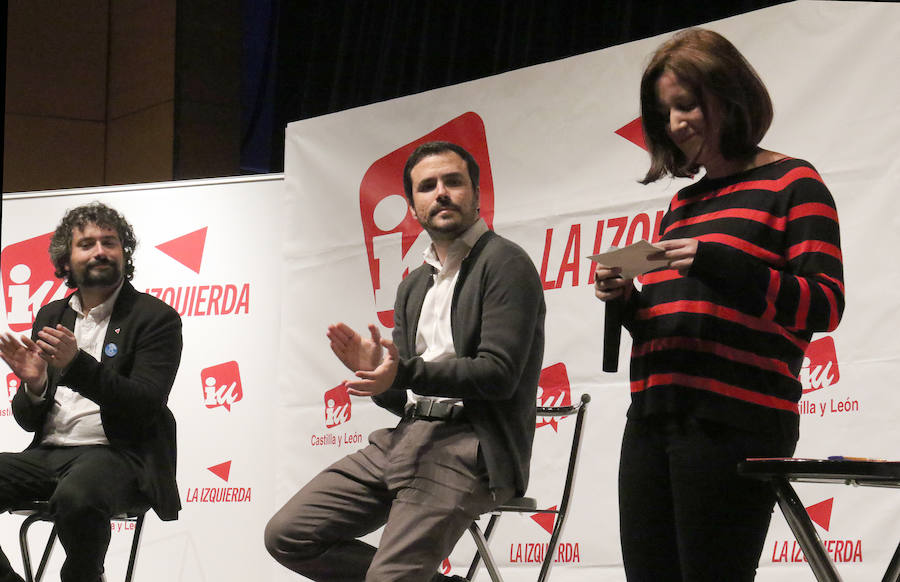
(111, 349)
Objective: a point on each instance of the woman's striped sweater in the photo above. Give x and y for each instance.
(727, 341)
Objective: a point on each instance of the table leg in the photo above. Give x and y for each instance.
(804, 532)
(893, 571)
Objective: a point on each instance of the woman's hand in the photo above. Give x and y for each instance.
(609, 284)
(679, 253)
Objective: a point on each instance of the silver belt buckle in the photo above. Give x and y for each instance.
(425, 407)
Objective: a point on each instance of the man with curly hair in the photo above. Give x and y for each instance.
(95, 378)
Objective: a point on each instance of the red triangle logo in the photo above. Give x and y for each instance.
(222, 470)
(633, 132)
(187, 249)
(821, 512)
(545, 520)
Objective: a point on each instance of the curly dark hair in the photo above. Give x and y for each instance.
(78, 218)
(710, 66)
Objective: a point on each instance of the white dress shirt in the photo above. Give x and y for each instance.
(434, 335)
(74, 420)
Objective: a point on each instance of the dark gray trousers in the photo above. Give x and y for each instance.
(423, 480)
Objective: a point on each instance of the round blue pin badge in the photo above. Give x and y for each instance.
(111, 349)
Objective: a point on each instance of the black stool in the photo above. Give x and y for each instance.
(40, 511)
(530, 505)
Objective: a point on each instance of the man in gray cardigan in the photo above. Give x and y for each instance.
(462, 373)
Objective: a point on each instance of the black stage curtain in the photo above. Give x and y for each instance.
(337, 54)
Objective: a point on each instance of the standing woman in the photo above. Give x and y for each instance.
(754, 268)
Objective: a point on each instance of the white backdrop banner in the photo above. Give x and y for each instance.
(559, 146)
(259, 396)
(211, 250)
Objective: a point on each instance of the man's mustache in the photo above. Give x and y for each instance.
(444, 206)
(98, 262)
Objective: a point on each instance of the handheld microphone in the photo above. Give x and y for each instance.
(612, 334)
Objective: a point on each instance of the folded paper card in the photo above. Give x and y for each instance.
(633, 259)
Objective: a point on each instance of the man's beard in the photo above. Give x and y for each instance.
(91, 277)
(448, 231)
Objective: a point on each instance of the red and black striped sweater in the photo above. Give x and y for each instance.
(727, 341)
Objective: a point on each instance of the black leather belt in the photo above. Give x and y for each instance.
(428, 409)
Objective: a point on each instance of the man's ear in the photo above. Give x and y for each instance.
(67, 272)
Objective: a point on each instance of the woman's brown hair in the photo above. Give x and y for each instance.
(710, 66)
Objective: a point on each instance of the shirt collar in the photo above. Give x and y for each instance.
(459, 247)
(101, 311)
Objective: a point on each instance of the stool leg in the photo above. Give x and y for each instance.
(551, 546)
(135, 546)
(26, 551)
(45, 557)
(23, 547)
(473, 567)
(485, 552)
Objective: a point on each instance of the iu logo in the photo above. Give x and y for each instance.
(820, 366)
(394, 239)
(553, 390)
(337, 406)
(222, 385)
(12, 384)
(28, 281)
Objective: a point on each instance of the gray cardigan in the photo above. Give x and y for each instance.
(497, 320)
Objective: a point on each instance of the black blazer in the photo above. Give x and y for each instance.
(497, 320)
(131, 387)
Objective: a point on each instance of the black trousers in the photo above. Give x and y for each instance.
(685, 515)
(85, 487)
